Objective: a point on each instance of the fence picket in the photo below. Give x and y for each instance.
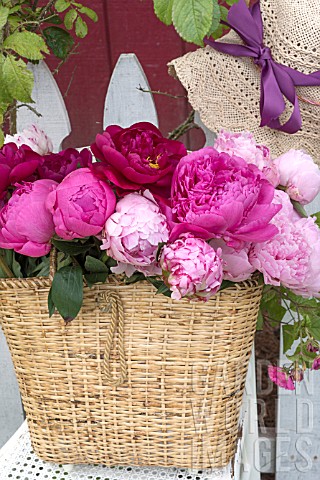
(49, 104)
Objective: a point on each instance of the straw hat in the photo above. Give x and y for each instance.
(225, 89)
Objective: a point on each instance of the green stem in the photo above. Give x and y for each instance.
(5, 268)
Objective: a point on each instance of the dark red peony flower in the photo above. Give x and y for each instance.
(16, 164)
(137, 157)
(56, 166)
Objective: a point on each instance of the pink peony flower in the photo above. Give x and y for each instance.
(287, 211)
(26, 226)
(300, 175)
(243, 145)
(279, 376)
(32, 137)
(236, 264)
(215, 195)
(57, 166)
(80, 205)
(191, 268)
(133, 233)
(316, 364)
(136, 157)
(16, 165)
(291, 258)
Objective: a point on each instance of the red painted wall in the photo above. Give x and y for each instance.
(123, 27)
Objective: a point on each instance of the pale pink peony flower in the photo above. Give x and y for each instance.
(26, 226)
(191, 268)
(287, 211)
(300, 175)
(132, 234)
(243, 145)
(33, 137)
(291, 258)
(280, 377)
(236, 264)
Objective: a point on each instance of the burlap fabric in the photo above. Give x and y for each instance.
(225, 90)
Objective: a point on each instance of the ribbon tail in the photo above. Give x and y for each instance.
(232, 48)
(287, 87)
(272, 104)
(303, 79)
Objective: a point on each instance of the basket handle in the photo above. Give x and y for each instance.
(53, 262)
(117, 320)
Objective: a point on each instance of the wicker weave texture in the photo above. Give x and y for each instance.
(186, 368)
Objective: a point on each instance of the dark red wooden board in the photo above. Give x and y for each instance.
(123, 27)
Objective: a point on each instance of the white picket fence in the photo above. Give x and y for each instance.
(298, 429)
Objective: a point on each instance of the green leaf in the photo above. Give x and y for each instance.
(56, 20)
(164, 290)
(92, 278)
(4, 13)
(273, 309)
(136, 277)
(70, 18)
(160, 286)
(163, 10)
(94, 265)
(81, 28)
(224, 12)
(226, 284)
(260, 321)
(299, 209)
(231, 2)
(89, 13)
(192, 19)
(26, 44)
(67, 292)
(216, 17)
(51, 306)
(5, 97)
(220, 31)
(289, 336)
(59, 41)
(317, 216)
(314, 328)
(71, 247)
(62, 5)
(1, 137)
(18, 79)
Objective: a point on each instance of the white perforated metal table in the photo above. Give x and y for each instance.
(18, 462)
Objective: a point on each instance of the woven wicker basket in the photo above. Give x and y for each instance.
(182, 367)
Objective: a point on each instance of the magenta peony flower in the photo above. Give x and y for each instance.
(215, 195)
(133, 233)
(26, 226)
(316, 364)
(292, 257)
(243, 145)
(280, 377)
(300, 175)
(80, 205)
(191, 268)
(236, 264)
(57, 166)
(16, 165)
(136, 157)
(32, 137)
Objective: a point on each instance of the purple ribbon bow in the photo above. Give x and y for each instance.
(277, 81)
